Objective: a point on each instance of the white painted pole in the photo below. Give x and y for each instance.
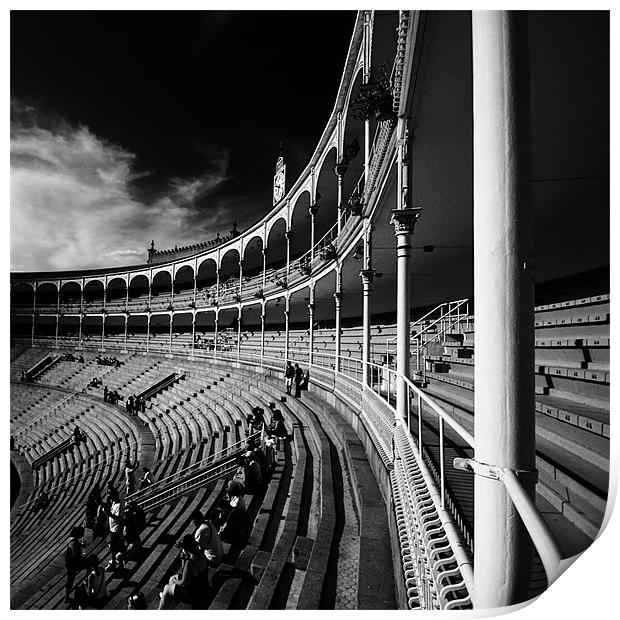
(504, 303)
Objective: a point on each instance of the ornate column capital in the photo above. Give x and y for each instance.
(404, 220)
(340, 169)
(367, 276)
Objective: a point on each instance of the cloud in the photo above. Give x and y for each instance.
(72, 204)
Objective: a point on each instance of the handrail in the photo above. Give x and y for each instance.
(456, 426)
(111, 456)
(210, 460)
(459, 303)
(540, 533)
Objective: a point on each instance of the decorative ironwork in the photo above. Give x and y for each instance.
(329, 252)
(304, 266)
(375, 97)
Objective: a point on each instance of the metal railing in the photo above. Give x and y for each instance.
(432, 328)
(196, 475)
(421, 493)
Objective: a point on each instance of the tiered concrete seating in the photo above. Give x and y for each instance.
(26, 360)
(572, 405)
(38, 538)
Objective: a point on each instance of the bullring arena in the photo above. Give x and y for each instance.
(449, 232)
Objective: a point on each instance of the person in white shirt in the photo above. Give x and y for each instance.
(115, 525)
(208, 539)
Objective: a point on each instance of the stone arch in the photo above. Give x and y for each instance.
(22, 294)
(94, 292)
(253, 256)
(300, 225)
(327, 195)
(184, 280)
(116, 290)
(276, 244)
(229, 265)
(353, 144)
(139, 286)
(205, 281)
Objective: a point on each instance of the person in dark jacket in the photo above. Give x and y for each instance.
(236, 528)
(299, 377)
(74, 559)
(190, 584)
(289, 375)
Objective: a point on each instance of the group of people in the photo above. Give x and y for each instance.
(203, 342)
(111, 396)
(78, 436)
(135, 404)
(295, 376)
(132, 484)
(108, 361)
(229, 522)
(201, 551)
(69, 357)
(105, 517)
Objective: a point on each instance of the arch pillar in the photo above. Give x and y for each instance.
(239, 333)
(262, 335)
(287, 312)
(311, 320)
(171, 315)
(264, 267)
(56, 337)
(32, 332)
(240, 276)
(338, 302)
(103, 329)
(367, 276)
(148, 325)
(217, 317)
(313, 210)
(193, 326)
(288, 234)
(125, 340)
(339, 171)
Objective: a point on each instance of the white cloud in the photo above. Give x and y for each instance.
(72, 205)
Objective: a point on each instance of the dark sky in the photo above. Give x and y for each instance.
(173, 88)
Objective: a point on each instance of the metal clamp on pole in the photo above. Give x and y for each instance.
(539, 531)
(493, 471)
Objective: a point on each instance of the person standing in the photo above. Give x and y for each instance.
(147, 478)
(289, 375)
(130, 477)
(299, 377)
(74, 559)
(115, 526)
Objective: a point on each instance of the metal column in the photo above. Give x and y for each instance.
(504, 303)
